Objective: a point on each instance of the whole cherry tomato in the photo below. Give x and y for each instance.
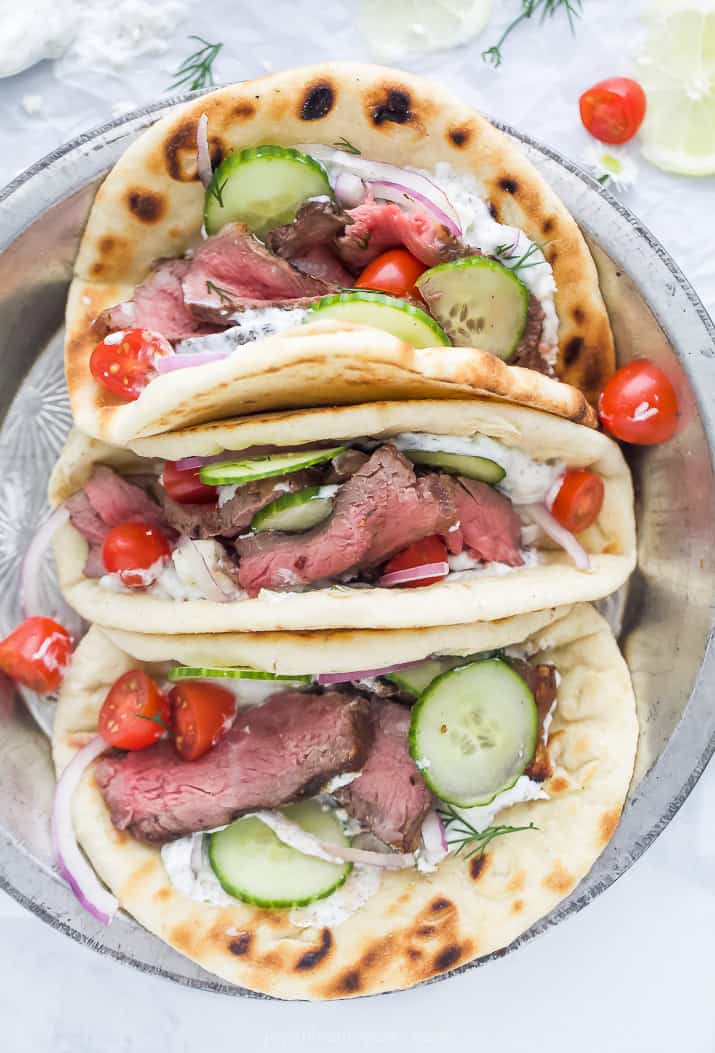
(429, 550)
(638, 404)
(613, 110)
(201, 713)
(135, 714)
(124, 362)
(579, 499)
(394, 272)
(186, 487)
(130, 548)
(36, 654)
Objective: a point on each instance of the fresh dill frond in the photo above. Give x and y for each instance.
(196, 71)
(547, 9)
(344, 144)
(508, 257)
(461, 833)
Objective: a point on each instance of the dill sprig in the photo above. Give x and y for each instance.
(197, 69)
(529, 8)
(506, 254)
(223, 294)
(346, 145)
(461, 832)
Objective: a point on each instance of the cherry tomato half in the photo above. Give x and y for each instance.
(135, 714)
(201, 713)
(186, 487)
(130, 548)
(394, 272)
(428, 550)
(124, 362)
(638, 404)
(36, 654)
(579, 500)
(613, 110)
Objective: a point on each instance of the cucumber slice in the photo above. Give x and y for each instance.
(480, 468)
(236, 473)
(262, 187)
(479, 302)
(399, 317)
(195, 672)
(473, 732)
(294, 513)
(414, 679)
(254, 865)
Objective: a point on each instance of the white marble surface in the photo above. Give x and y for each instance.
(631, 974)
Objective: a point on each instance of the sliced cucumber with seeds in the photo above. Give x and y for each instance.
(295, 513)
(414, 679)
(389, 313)
(473, 732)
(479, 303)
(470, 467)
(262, 187)
(254, 865)
(236, 473)
(195, 672)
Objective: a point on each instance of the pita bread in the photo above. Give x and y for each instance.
(151, 205)
(417, 926)
(476, 597)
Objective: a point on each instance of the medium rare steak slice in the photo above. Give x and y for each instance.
(382, 509)
(488, 525)
(234, 270)
(286, 749)
(309, 241)
(541, 680)
(376, 226)
(527, 353)
(389, 797)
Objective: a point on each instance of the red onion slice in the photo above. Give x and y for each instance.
(72, 864)
(434, 837)
(349, 189)
(361, 674)
(403, 577)
(296, 837)
(32, 563)
(406, 197)
(543, 518)
(200, 571)
(170, 363)
(203, 155)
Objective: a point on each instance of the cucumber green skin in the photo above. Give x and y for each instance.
(516, 287)
(417, 754)
(480, 468)
(236, 473)
(184, 672)
(416, 679)
(334, 307)
(269, 517)
(217, 216)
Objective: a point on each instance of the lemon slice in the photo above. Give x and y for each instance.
(677, 71)
(397, 27)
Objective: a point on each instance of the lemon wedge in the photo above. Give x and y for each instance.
(677, 71)
(397, 27)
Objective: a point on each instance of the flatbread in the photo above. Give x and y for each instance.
(552, 582)
(150, 206)
(417, 926)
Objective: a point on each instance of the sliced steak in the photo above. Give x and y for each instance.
(234, 270)
(488, 525)
(389, 797)
(382, 509)
(345, 465)
(278, 752)
(322, 262)
(377, 226)
(233, 517)
(541, 680)
(309, 241)
(527, 353)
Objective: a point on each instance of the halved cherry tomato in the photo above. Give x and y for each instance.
(579, 500)
(186, 487)
(36, 654)
(394, 272)
(613, 110)
(130, 548)
(124, 362)
(638, 404)
(201, 713)
(428, 550)
(135, 714)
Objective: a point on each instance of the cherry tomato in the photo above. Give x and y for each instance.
(428, 550)
(638, 404)
(135, 714)
(124, 362)
(579, 500)
(186, 487)
(394, 272)
(36, 654)
(130, 548)
(613, 110)
(201, 713)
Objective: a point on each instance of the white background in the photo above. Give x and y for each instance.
(631, 973)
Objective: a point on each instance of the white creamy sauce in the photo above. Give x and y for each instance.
(197, 882)
(465, 563)
(523, 790)
(254, 323)
(35, 31)
(548, 719)
(184, 583)
(362, 883)
(341, 780)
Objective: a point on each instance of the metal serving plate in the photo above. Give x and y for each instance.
(668, 616)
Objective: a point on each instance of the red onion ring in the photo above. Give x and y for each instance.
(72, 864)
(362, 674)
(170, 363)
(563, 537)
(404, 195)
(402, 577)
(434, 837)
(202, 575)
(296, 837)
(203, 156)
(31, 564)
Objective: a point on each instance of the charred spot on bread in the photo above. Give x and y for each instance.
(312, 958)
(318, 101)
(395, 108)
(572, 350)
(146, 205)
(460, 135)
(240, 944)
(509, 185)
